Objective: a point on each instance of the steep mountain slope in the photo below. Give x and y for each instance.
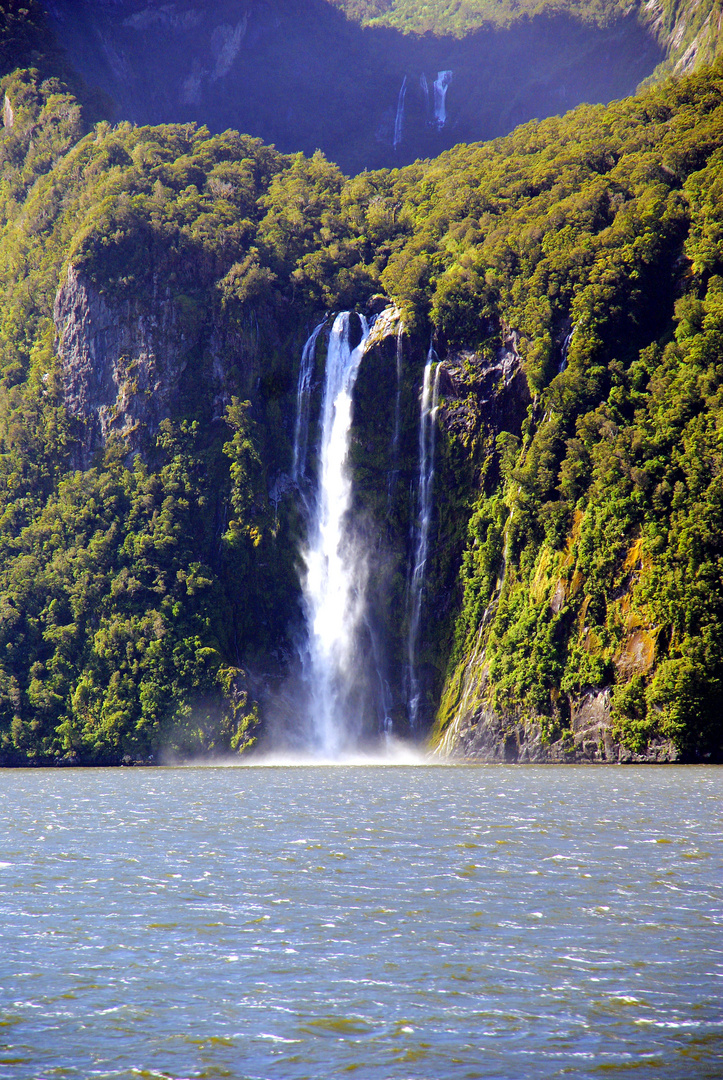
(301, 75)
(159, 285)
(689, 31)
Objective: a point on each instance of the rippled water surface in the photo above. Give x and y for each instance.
(436, 923)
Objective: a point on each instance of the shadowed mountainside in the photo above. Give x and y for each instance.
(302, 76)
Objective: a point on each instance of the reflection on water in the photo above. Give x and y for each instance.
(434, 923)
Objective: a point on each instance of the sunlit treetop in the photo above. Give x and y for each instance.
(458, 17)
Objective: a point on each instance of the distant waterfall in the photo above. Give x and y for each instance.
(399, 120)
(424, 86)
(427, 433)
(303, 394)
(335, 579)
(441, 83)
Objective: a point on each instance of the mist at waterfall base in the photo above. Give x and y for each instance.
(339, 696)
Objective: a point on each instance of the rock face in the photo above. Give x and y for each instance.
(479, 733)
(479, 393)
(299, 74)
(116, 365)
(482, 398)
(125, 363)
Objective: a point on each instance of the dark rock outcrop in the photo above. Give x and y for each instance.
(125, 362)
(481, 733)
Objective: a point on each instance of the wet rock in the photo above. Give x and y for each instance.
(485, 735)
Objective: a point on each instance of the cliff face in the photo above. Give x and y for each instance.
(479, 733)
(478, 730)
(117, 367)
(483, 401)
(691, 32)
(126, 364)
(484, 398)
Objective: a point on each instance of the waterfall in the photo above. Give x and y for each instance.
(335, 578)
(427, 432)
(394, 471)
(564, 351)
(441, 84)
(303, 394)
(399, 120)
(424, 86)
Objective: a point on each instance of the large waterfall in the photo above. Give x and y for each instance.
(427, 433)
(336, 570)
(348, 670)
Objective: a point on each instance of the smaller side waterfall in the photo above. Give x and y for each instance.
(441, 84)
(427, 433)
(424, 87)
(394, 471)
(399, 119)
(303, 394)
(335, 579)
(565, 351)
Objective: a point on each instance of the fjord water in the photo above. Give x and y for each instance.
(431, 922)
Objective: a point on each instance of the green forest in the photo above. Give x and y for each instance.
(145, 574)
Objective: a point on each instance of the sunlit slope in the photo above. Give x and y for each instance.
(464, 16)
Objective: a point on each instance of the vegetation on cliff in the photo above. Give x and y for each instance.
(596, 561)
(130, 591)
(134, 592)
(464, 16)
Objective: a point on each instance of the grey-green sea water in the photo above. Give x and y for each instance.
(399, 922)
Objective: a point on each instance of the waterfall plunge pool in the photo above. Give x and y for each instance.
(503, 922)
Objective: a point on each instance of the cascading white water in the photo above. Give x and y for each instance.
(335, 578)
(424, 86)
(303, 394)
(565, 351)
(427, 433)
(399, 120)
(441, 84)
